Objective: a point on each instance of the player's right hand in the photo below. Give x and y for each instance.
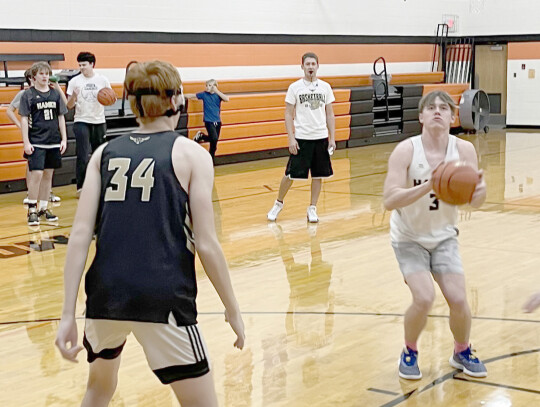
(293, 147)
(67, 334)
(237, 324)
(28, 149)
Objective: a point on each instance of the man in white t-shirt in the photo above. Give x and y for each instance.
(89, 124)
(310, 123)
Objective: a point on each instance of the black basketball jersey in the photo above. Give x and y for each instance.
(42, 109)
(144, 267)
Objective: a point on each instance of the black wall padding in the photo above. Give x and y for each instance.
(361, 132)
(412, 90)
(412, 127)
(361, 93)
(411, 102)
(362, 106)
(362, 119)
(410, 114)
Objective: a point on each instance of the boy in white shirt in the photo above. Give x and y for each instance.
(89, 124)
(310, 123)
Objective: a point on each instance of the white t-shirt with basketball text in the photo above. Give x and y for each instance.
(87, 107)
(310, 100)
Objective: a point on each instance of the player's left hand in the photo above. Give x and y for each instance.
(480, 190)
(63, 146)
(67, 334)
(237, 324)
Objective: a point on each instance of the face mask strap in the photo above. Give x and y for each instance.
(149, 91)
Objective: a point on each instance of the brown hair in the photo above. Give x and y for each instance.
(429, 98)
(28, 76)
(310, 55)
(158, 76)
(38, 66)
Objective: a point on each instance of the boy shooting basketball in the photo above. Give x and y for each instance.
(424, 234)
(310, 123)
(150, 192)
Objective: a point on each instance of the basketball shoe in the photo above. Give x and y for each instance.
(312, 214)
(274, 212)
(47, 215)
(198, 137)
(469, 363)
(33, 218)
(408, 364)
(54, 198)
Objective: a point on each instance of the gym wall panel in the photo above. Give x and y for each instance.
(343, 17)
(523, 92)
(231, 61)
(496, 17)
(523, 84)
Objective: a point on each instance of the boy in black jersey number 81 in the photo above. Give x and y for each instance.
(149, 193)
(43, 127)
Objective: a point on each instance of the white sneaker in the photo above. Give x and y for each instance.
(312, 214)
(78, 193)
(54, 198)
(274, 212)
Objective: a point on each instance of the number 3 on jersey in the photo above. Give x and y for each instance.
(435, 203)
(143, 177)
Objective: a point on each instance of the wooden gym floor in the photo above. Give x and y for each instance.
(323, 304)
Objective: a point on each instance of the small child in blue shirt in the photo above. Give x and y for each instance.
(212, 99)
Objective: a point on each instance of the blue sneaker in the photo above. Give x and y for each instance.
(408, 365)
(469, 363)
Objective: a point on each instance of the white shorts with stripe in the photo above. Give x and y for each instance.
(173, 352)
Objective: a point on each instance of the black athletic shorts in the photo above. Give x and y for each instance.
(312, 157)
(44, 158)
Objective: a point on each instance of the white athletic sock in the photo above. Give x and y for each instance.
(43, 205)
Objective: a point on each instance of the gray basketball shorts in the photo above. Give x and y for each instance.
(444, 258)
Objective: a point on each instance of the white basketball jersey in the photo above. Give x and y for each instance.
(428, 221)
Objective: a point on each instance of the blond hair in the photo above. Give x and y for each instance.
(40, 66)
(429, 98)
(153, 83)
(211, 82)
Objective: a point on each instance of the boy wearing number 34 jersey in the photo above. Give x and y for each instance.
(149, 193)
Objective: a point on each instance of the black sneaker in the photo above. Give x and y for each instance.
(33, 219)
(198, 137)
(48, 215)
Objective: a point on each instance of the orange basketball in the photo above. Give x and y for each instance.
(106, 96)
(454, 182)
